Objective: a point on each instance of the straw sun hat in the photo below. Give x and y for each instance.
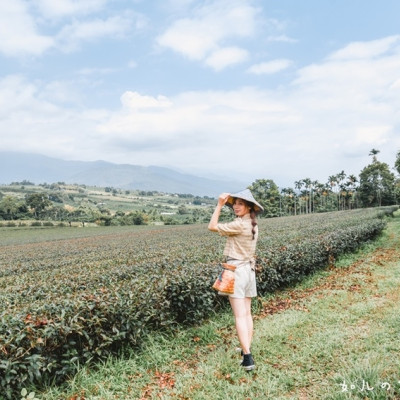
(245, 195)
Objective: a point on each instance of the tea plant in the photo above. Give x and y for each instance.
(75, 300)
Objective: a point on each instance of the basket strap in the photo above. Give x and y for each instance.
(229, 266)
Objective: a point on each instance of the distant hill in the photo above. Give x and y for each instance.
(16, 167)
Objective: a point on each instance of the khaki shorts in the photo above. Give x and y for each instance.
(245, 279)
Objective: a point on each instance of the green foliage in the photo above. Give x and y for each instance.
(38, 202)
(73, 301)
(267, 193)
(132, 218)
(56, 198)
(11, 208)
(377, 185)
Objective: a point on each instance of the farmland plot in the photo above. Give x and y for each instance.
(71, 299)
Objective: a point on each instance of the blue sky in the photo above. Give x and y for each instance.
(243, 89)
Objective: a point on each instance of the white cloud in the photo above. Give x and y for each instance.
(332, 109)
(225, 57)
(18, 31)
(350, 104)
(35, 118)
(210, 27)
(193, 40)
(281, 38)
(72, 35)
(20, 34)
(15, 94)
(59, 92)
(270, 67)
(192, 128)
(67, 8)
(366, 50)
(135, 101)
(373, 135)
(179, 5)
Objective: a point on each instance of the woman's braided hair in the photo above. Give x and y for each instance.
(253, 217)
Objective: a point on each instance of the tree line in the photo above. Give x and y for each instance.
(375, 186)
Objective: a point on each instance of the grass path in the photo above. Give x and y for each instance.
(335, 336)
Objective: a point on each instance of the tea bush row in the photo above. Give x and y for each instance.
(12, 224)
(72, 301)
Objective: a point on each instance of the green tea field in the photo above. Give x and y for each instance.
(70, 296)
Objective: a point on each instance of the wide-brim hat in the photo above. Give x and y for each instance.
(245, 195)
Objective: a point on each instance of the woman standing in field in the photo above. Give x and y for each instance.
(242, 234)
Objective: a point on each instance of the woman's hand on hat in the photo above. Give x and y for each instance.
(223, 198)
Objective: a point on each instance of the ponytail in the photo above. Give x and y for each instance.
(253, 221)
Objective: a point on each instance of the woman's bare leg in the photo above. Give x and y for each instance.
(243, 321)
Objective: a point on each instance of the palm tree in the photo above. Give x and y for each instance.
(373, 153)
(340, 177)
(298, 185)
(332, 182)
(319, 190)
(314, 193)
(289, 196)
(307, 192)
(351, 190)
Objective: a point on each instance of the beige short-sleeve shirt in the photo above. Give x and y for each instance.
(239, 244)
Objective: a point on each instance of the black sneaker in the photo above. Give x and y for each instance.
(248, 362)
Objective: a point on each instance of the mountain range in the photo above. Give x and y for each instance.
(16, 167)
